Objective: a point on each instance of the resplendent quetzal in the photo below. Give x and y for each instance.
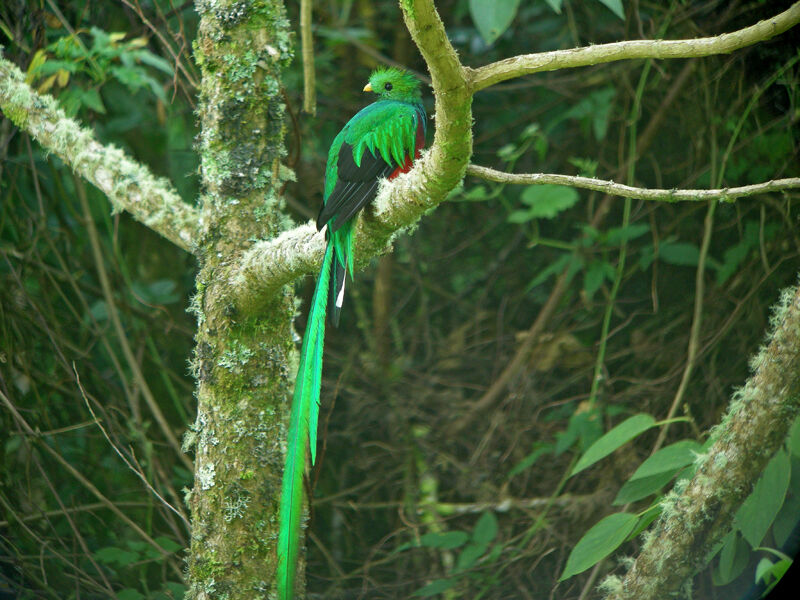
(380, 141)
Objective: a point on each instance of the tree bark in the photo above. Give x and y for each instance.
(242, 361)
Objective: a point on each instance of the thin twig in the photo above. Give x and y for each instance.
(627, 191)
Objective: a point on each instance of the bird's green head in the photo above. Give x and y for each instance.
(394, 84)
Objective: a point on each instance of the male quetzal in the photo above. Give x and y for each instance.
(380, 141)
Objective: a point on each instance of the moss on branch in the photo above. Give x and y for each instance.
(129, 185)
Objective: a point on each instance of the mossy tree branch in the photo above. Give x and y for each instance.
(269, 264)
(129, 185)
(527, 64)
(700, 514)
(627, 191)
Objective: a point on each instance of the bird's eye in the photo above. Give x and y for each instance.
(388, 87)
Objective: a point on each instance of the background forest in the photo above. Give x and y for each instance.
(474, 365)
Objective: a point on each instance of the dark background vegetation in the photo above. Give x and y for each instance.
(405, 449)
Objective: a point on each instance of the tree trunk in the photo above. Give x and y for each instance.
(242, 361)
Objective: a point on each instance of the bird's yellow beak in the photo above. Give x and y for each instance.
(368, 87)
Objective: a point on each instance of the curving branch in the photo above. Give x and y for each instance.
(697, 516)
(627, 191)
(527, 64)
(400, 203)
(129, 185)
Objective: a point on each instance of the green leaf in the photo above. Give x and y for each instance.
(437, 586)
(154, 61)
(655, 472)
(617, 235)
(732, 559)
(596, 273)
(618, 436)
(447, 540)
(555, 5)
(650, 515)
(554, 267)
(130, 594)
(600, 541)
(670, 459)
(786, 520)
(485, 529)
(615, 6)
(469, 556)
(476, 193)
(493, 17)
(760, 509)
(168, 544)
(539, 449)
(175, 590)
(636, 489)
(764, 566)
(770, 572)
(584, 427)
(734, 255)
(546, 201)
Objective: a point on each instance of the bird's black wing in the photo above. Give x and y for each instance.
(355, 187)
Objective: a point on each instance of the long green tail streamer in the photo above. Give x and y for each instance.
(305, 411)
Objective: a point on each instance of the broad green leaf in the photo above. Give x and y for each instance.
(760, 509)
(130, 594)
(670, 459)
(447, 540)
(786, 520)
(469, 556)
(546, 201)
(732, 559)
(615, 6)
(492, 17)
(600, 541)
(437, 586)
(618, 436)
(485, 529)
(636, 489)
